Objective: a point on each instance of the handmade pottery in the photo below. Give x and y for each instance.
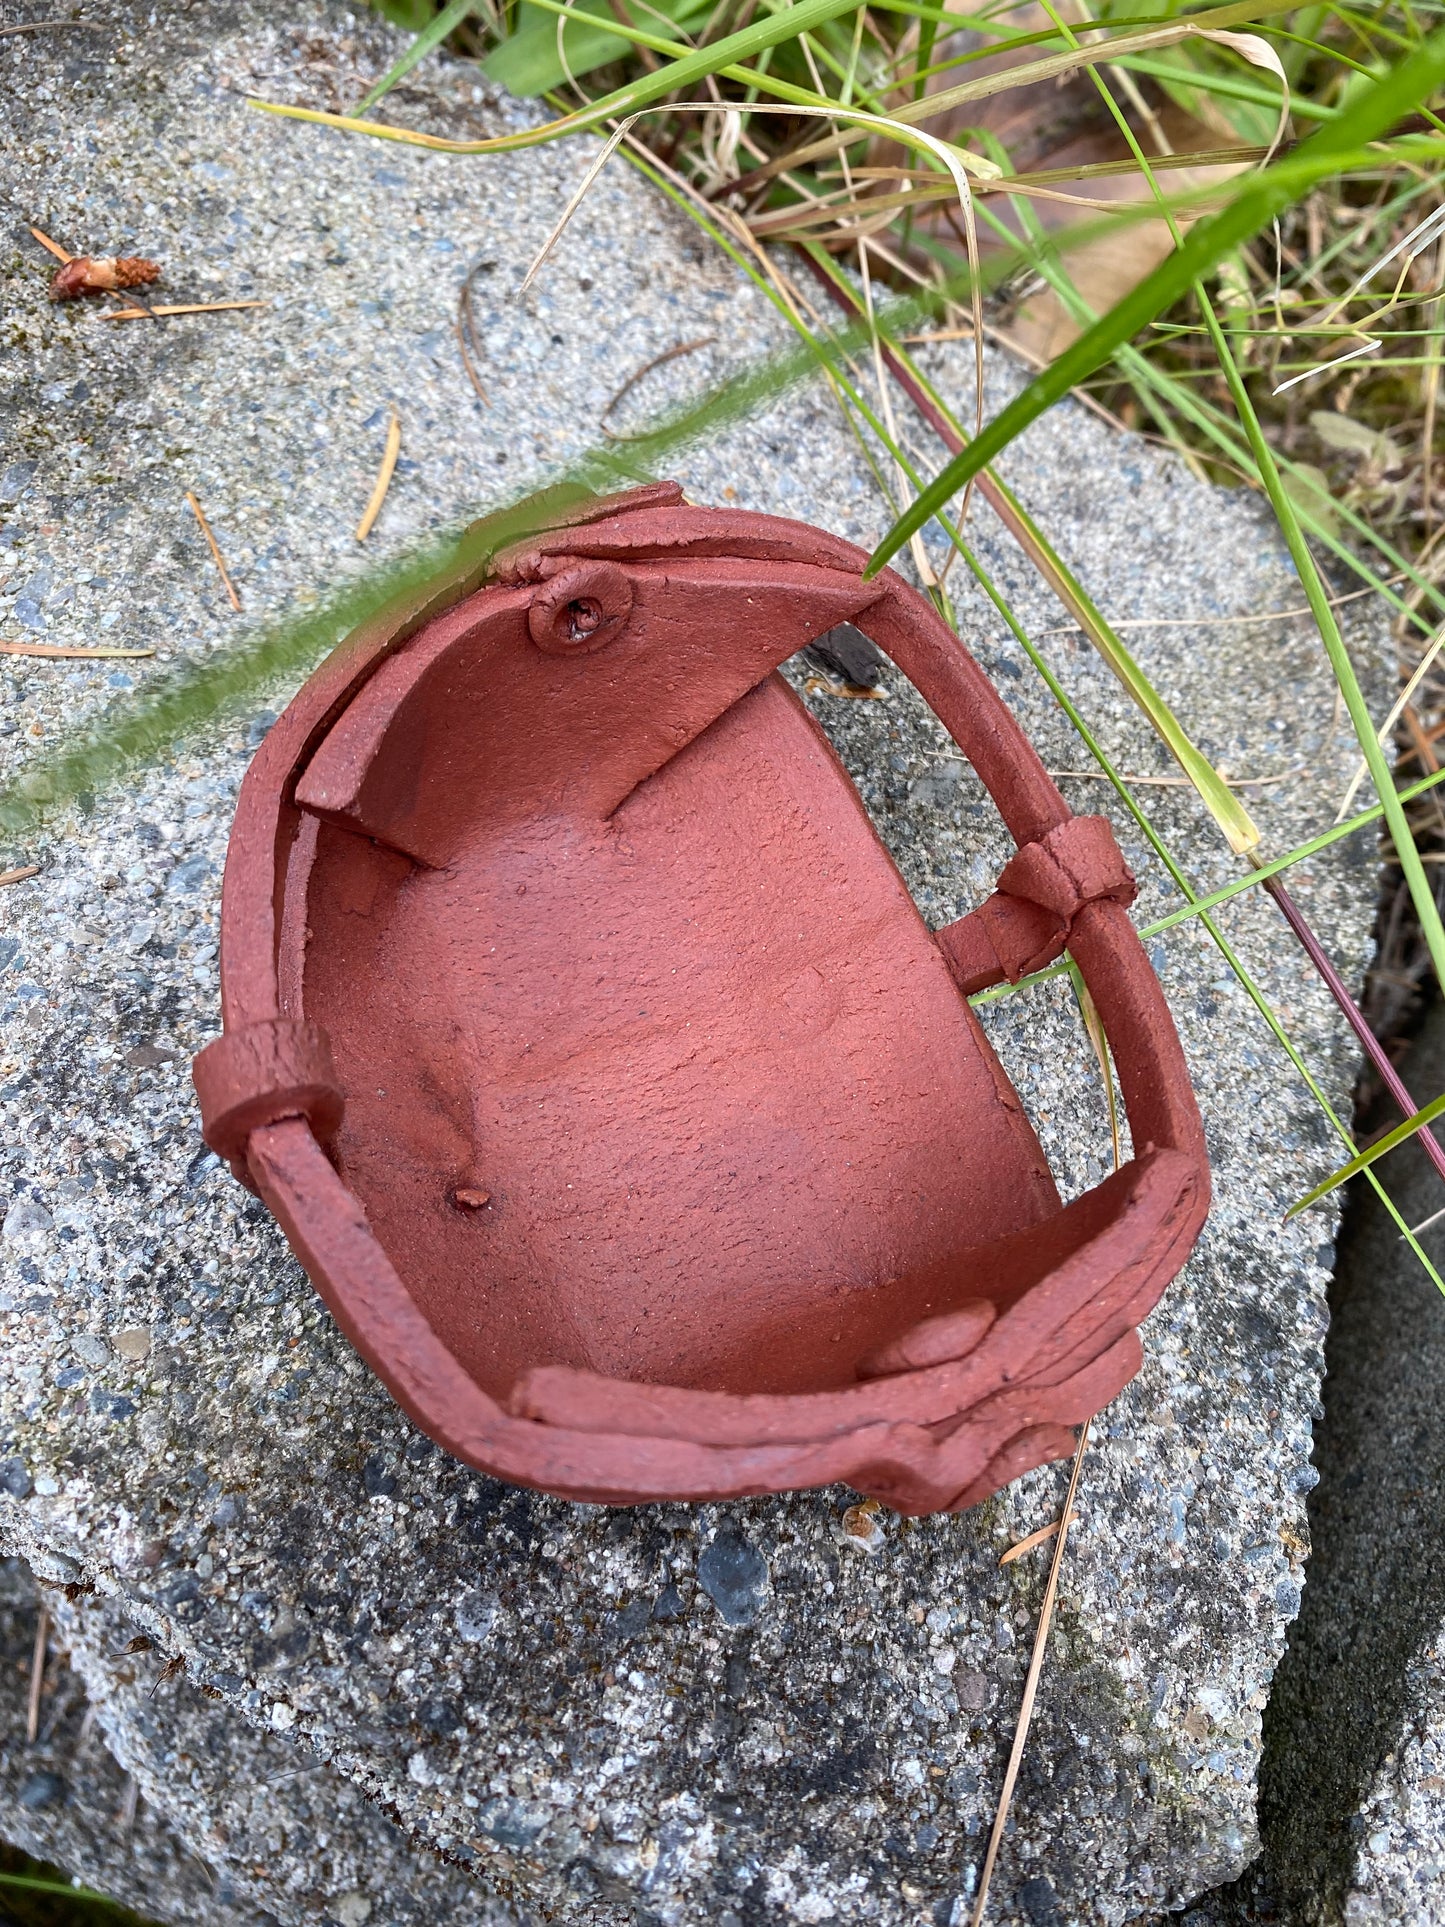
(585, 1042)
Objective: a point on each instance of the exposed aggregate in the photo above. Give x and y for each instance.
(65, 1799)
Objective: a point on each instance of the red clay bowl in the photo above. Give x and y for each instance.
(589, 1049)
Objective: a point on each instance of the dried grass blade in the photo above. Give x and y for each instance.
(1094, 1030)
(383, 478)
(58, 649)
(1421, 893)
(957, 163)
(1051, 67)
(1256, 202)
(1031, 1685)
(1257, 51)
(956, 160)
(1225, 807)
(1387, 728)
(579, 193)
(1411, 244)
(1369, 347)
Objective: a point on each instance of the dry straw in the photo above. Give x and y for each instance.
(383, 478)
(216, 556)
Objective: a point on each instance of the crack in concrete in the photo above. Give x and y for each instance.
(1375, 1592)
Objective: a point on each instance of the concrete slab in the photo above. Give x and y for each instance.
(547, 1692)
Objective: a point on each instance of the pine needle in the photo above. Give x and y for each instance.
(59, 649)
(1021, 1546)
(383, 478)
(183, 307)
(214, 547)
(1031, 1686)
(52, 247)
(54, 26)
(37, 1676)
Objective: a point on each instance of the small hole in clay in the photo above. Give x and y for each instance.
(584, 616)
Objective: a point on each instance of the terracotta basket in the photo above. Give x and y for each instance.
(589, 1049)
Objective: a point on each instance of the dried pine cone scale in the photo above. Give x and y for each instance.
(105, 274)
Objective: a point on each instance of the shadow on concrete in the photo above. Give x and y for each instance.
(1375, 1586)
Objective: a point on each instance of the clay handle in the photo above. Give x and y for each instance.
(260, 1075)
(1028, 920)
(1061, 866)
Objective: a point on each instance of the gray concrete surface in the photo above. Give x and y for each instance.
(549, 1692)
(138, 1785)
(65, 1799)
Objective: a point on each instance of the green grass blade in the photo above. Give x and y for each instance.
(1267, 468)
(1226, 86)
(1258, 202)
(620, 35)
(194, 695)
(1317, 595)
(432, 35)
(1193, 902)
(1222, 802)
(1161, 392)
(1362, 1160)
(34, 1884)
(1056, 66)
(528, 62)
(1227, 892)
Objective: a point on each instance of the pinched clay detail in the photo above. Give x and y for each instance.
(262, 1074)
(580, 610)
(1027, 922)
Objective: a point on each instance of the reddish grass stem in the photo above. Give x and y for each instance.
(1338, 989)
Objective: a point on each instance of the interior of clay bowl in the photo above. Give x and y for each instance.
(675, 1088)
